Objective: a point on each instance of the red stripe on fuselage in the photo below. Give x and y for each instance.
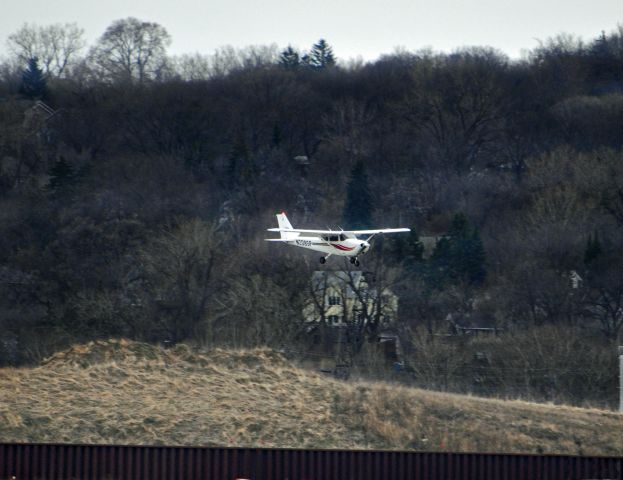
(342, 247)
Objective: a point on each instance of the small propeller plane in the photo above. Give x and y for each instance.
(330, 242)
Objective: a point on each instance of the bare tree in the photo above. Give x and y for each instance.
(257, 311)
(376, 306)
(180, 268)
(604, 299)
(457, 105)
(228, 59)
(347, 129)
(56, 46)
(132, 50)
(192, 67)
(317, 307)
(610, 188)
(606, 305)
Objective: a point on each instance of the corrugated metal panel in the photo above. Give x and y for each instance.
(114, 462)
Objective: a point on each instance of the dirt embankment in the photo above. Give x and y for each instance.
(119, 391)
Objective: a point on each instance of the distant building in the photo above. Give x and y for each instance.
(429, 242)
(575, 279)
(341, 298)
(346, 308)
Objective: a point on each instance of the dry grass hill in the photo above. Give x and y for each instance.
(125, 392)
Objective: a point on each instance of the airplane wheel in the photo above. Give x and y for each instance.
(323, 260)
(357, 263)
(352, 259)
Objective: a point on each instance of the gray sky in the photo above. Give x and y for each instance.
(366, 28)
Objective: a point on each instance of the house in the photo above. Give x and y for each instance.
(575, 279)
(346, 298)
(429, 242)
(344, 309)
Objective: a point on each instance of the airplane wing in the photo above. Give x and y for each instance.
(337, 232)
(381, 230)
(300, 230)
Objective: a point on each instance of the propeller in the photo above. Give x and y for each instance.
(363, 247)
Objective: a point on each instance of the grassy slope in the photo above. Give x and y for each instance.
(132, 393)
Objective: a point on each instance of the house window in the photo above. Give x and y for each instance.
(333, 319)
(335, 301)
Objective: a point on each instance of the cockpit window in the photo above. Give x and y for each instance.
(334, 238)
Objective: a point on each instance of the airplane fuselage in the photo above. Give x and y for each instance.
(346, 247)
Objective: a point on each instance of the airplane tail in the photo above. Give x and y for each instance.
(285, 224)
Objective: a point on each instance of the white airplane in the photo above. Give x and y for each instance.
(343, 242)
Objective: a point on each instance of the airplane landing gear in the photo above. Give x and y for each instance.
(323, 260)
(354, 261)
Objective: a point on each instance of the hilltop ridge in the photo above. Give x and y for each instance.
(120, 391)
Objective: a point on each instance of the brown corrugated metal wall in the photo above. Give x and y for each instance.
(111, 462)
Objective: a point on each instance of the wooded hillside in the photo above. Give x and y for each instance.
(134, 199)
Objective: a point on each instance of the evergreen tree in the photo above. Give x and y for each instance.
(474, 259)
(33, 80)
(458, 256)
(593, 249)
(238, 161)
(459, 228)
(306, 61)
(358, 207)
(321, 55)
(406, 249)
(290, 59)
(277, 136)
(600, 47)
(62, 177)
(242, 169)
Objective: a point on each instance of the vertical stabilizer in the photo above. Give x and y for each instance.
(285, 224)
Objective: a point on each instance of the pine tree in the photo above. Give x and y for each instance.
(238, 161)
(459, 228)
(290, 59)
(277, 136)
(600, 47)
(474, 259)
(62, 177)
(358, 206)
(406, 249)
(33, 80)
(593, 249)
(321, 55)
(458, 256)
